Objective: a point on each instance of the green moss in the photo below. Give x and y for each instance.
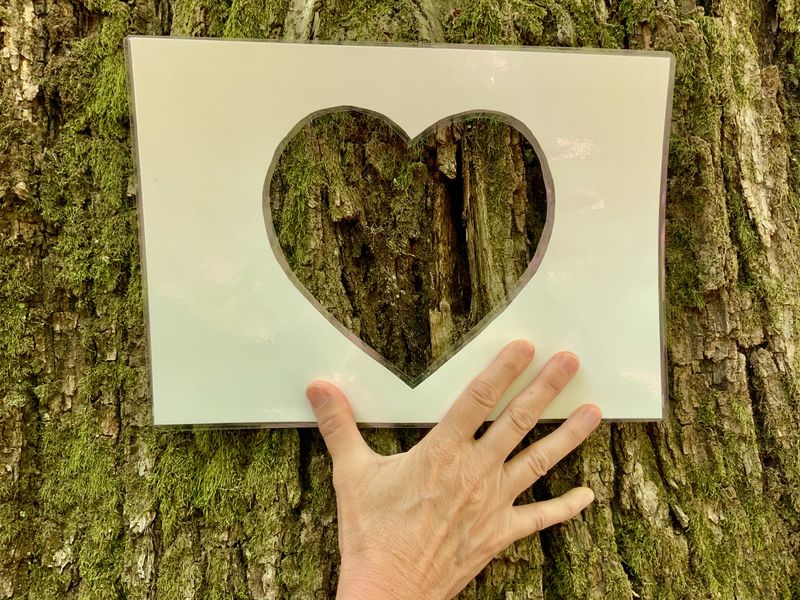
(201, 17)
(107, 7)
(16, 291)
(252, 18)
(92, 263)
(85, 467)
(237, 484)
(496, 22)
(306, 569)
(645, 551)
(684, 287)
(273, 458)
(561, 577)
(87, 172)
(745, 236)
(728, 517)
(691, 177)
(12, 141)
(108, 110)
(181, 569)
(531, 23)
(298, 180)
(79, 506)
(219, 491)
(368, 21)
(176, 482)
(633, 13)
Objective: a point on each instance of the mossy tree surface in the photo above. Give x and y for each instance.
(408, 245)
(95, 504)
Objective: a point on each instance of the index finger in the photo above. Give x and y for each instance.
(475, 403)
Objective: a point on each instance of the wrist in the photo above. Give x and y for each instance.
(364, 589)
(363, 581)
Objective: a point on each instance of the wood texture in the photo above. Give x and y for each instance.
(96, 504)
(409, 246)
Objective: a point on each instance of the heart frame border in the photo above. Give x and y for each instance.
(480, 326)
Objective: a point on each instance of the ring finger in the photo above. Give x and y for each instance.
(533, 462)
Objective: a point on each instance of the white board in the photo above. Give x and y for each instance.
(234, 340)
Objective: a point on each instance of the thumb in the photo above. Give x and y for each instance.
(335, 419)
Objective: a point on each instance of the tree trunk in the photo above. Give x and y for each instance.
(94, 503)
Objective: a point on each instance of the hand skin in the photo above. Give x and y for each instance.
(423, 523)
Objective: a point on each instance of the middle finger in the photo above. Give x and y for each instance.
(524, 410)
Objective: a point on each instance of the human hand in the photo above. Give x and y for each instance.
(423, 523)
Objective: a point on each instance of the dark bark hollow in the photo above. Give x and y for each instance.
(409, 245)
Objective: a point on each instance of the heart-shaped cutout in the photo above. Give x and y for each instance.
(410, 247)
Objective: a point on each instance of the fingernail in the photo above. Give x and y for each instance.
(317, 396)
(525, 348)
(591, 416)
(568, 363)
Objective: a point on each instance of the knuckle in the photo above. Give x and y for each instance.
(574, 436)
(552, 383)
(443, 451)
(537, 462)
(331, 424)
(474, 485)
(510, 365)
(522, 419)
(483, 393)
(537, 522)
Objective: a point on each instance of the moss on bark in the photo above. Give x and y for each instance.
(408, 246)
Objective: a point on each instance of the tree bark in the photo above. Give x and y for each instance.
(95, 503)
(408, 246)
